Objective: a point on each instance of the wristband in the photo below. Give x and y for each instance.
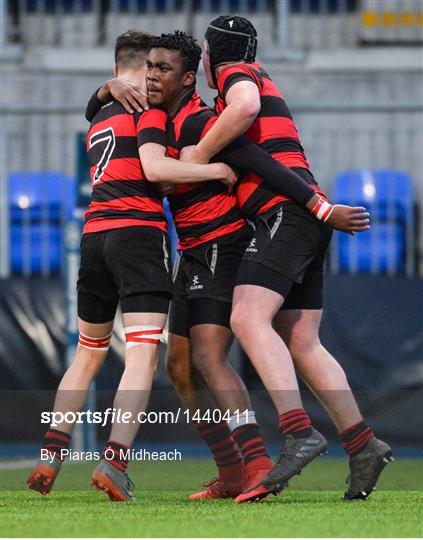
(322, 209)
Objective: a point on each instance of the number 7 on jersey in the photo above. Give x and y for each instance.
(105, 137)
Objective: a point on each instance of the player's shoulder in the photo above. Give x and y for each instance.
(194, 110)
(235, 73)
(245, 68)
(195, 104)
(151, 118)
(150, 115)
(109, 109)
(113, 115)
(194, 118)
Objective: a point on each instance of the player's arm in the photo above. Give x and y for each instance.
(243, 105)
(152, 142)
(126, 92)
(248, 157)
(160, 168)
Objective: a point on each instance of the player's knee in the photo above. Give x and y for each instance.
(177, 369)
(240, 322)
(92, 352)
(141, 357)
(301, 346)
(205, 360)
(89, 361)
(200, 360)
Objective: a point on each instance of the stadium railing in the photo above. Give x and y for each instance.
(389, 246)
(282, 24)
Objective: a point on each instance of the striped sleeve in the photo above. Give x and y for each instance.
(232, 75)
(151, 127)
(196, 126)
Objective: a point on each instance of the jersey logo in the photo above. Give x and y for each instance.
(107, 138)
(196, 284)
(231, 23)
(252, 247)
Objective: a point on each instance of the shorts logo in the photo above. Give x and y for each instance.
(252, 247)
(196, 284)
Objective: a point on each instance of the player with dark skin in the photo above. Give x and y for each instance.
(208, 341)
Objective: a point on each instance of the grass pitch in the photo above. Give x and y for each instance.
(311, 507)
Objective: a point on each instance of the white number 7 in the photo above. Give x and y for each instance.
(105, 136)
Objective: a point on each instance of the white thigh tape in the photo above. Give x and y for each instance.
(138, 335)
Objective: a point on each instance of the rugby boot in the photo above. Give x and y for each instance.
(295, 455)
(365, 469)
(43, 476)
(217, 489)
(115, 483)
(254, 490)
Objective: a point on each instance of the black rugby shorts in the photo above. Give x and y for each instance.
(131, 265)
(286, 254)
(204, 282)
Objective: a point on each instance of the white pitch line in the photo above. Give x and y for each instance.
(26, 463)
(19, 464)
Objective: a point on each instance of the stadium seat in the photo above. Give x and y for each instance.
(39, 204)
(389, 196)
(35, 248)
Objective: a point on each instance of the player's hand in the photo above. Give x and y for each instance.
(128, 94)
(190, 154)
(349, 219)
(166, 188)
(229, 176)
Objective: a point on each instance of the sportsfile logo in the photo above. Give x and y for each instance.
(196, 285)
(252, 247)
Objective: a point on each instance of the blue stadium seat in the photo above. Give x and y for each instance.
(39, 204)
(42, 192)
(34, 248)
(390, 198)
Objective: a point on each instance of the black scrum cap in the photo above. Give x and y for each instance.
(231, 39)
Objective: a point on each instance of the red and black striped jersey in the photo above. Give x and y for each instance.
(273, 129)
(202, 211)
(121, 194)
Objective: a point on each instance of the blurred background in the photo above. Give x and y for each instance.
(352, 74)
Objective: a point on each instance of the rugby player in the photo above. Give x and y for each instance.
(281, 274)
(124, 259)
(205, 321)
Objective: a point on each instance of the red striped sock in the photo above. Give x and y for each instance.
(355, 438)
(115, 454)
(55, 441)
(226, 454)
(296, 422)
(251, 443)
